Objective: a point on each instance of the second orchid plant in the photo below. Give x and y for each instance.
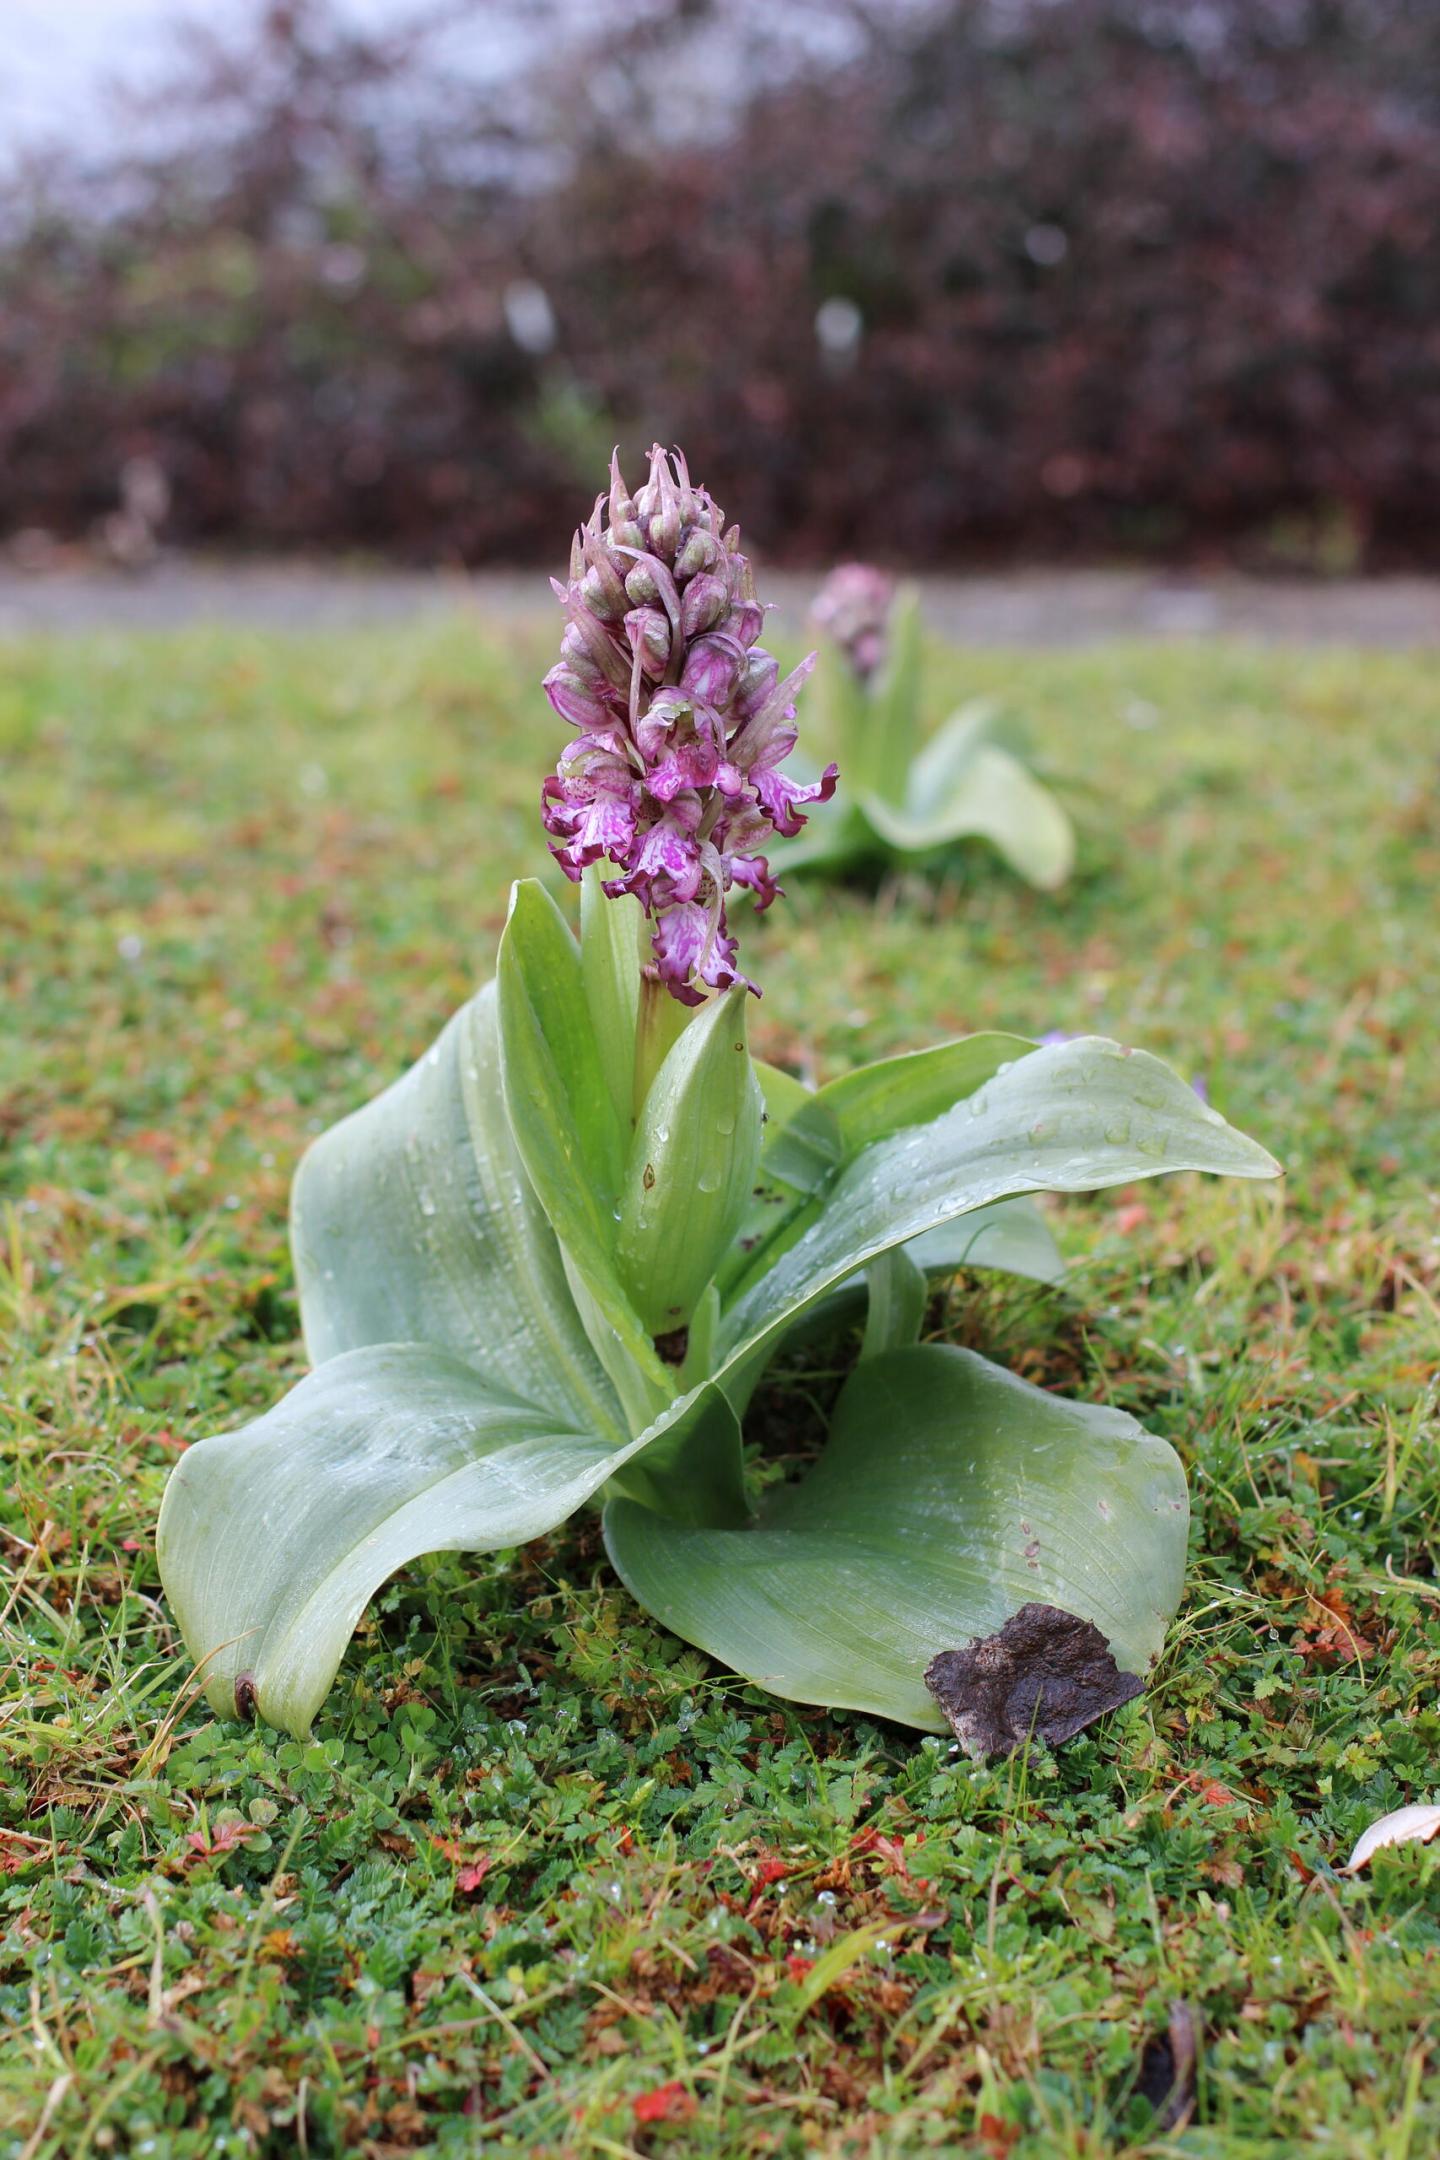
(550, 1265)
(911, 796)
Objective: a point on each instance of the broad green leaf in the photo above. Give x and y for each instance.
(563, 1118)
(1071, 1117)
(692, 1164)
(944, 758)
(879, 1099)
(898, 1293)
(783, 1095)
(643, 1384)
(895, 703)
(273, 1539)
(610, 968)
(827, 1129)
(413, 1220)
(660, 1021)
(561, 1109)
(993, 798)
(1011, 1236)
(949, 1495)
(692, 1470)
(845, 728)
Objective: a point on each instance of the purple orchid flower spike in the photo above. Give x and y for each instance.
(853, 607)
(681, 722)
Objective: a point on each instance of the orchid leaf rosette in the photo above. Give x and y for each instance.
(909, 795)
(550, 1264)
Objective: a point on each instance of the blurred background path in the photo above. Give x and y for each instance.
(1023, 608)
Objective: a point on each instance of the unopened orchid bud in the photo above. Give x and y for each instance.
(649, 632)
(712, 668)
(703, 602)
(758, 678)
(701, 551)
(576, 653)
(622, 507)
(685, 491)
(664, 521)
(663, 532)
(602, 587)
(641, 585)
(574, 700)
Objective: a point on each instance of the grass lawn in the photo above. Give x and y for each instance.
(544, 1880)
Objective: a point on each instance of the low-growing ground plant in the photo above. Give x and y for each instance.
(551, 1264)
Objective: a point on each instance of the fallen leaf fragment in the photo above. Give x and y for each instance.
(1046, 1672)
(1406, 1826)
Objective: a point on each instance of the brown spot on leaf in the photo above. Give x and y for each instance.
(647, 1177)
(1046, 1672)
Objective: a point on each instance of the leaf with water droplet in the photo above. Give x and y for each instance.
(692, 1166)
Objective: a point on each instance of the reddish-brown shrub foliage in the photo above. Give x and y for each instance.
(1154, 274)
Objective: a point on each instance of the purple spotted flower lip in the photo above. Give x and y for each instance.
(681, 722)
(853, 607)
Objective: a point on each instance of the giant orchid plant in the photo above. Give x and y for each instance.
(549, 1266)
(909, 796)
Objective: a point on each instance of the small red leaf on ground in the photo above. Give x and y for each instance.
(667, 2103)
(473, 1874)
(799, 1968)
(888, 1849)
(223, 1840)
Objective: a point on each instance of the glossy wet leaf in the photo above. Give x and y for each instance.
(610, 945)
(692, 1164)
(563, 1116)
(950, 1494)
(993, 797)
(413, 1220)
(1071, 1117)
(810, 1138)
(274, 1538)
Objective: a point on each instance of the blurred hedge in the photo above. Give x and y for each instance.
(1146, 275)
